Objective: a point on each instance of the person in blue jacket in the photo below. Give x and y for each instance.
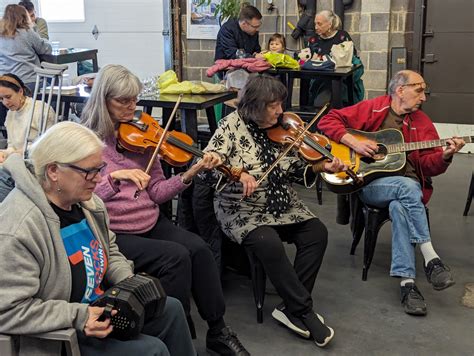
(238, 38)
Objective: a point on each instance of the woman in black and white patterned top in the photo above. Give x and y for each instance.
(272, 212)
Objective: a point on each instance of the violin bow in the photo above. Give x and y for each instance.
(290, 146)
(160, 142)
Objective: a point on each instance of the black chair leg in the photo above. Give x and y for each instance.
(356, 236)
(374, 219)
(470, 193)
(319, 189)
(258, 283)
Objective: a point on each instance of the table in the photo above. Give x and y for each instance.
(73, 55)
(337, 76)
(189, 106)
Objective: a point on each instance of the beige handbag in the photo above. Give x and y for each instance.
(342, 54)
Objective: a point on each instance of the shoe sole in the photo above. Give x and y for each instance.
(417, 312)
(327, 339)
(281, 317)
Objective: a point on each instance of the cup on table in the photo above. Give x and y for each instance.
(55, 47)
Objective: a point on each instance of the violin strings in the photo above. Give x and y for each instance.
(316, 146)
(184, 146)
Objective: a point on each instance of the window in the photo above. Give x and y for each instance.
(62, 11)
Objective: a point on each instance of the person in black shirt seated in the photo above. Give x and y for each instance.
(238, 38)
(58, 254)
(328, 33)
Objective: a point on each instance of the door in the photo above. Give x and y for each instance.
(131, 33)
(447, 60)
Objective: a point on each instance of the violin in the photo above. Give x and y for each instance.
(141, 135)
(312, 147)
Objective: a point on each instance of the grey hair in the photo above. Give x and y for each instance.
(112, 82)
(400, 78)
(333, 18)
(65, 142)
(259, 91)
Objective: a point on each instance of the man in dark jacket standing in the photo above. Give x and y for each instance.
(239, 35)
(406, 194)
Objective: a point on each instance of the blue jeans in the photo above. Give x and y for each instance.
(403, 196)
(167, 335)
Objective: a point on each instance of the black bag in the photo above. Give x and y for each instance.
(137, 299)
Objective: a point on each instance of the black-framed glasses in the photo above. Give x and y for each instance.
(91, 173)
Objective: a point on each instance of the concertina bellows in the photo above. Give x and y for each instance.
(137, 299)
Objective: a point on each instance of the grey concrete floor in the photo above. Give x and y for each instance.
(367, 316)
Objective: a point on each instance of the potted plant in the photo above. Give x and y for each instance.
(225, 9)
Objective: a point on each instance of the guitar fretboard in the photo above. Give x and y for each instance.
(412, 146)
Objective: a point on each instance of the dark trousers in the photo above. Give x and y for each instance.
(295, 283)
(166, 335)
(182, 261)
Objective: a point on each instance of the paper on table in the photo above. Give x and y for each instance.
(67, 89)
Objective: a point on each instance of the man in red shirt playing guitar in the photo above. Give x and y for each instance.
(406, 193)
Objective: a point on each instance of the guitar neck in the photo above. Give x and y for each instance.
(412, 146)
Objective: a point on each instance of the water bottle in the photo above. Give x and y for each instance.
(240, 53)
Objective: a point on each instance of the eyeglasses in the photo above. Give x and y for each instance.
(126, 101)
(91, 173)
(254, 26)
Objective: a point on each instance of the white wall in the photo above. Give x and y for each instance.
(130, 33)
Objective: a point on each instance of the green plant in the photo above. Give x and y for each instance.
(226, 8)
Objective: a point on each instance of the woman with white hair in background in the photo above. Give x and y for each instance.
(329, 32)
(49, 221)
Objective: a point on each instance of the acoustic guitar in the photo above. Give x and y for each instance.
(388, 161)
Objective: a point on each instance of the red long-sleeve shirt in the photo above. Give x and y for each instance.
(368, 115)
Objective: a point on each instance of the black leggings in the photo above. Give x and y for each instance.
(182, 261)
(293, 283)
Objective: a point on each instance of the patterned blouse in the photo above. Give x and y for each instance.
(237, 218)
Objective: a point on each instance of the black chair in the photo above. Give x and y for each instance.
(239, 259)
(470, 193)
(370, 219)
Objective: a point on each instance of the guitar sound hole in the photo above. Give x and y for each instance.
(381, 153)
(379, 156)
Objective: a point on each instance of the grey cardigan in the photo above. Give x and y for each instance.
(35, 274)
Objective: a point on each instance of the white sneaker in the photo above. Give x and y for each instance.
(281, 314)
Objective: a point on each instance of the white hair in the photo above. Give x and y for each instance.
(112, 82)
(333, 18)
(65, 142)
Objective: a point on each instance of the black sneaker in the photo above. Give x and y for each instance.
(412, 300)
(320, 333)
(225, 343)
(438, 274)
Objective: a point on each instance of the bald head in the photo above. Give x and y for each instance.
(403, 77)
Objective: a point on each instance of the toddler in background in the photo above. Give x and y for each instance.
(276, 44)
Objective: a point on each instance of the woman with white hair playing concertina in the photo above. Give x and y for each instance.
(49, 222)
